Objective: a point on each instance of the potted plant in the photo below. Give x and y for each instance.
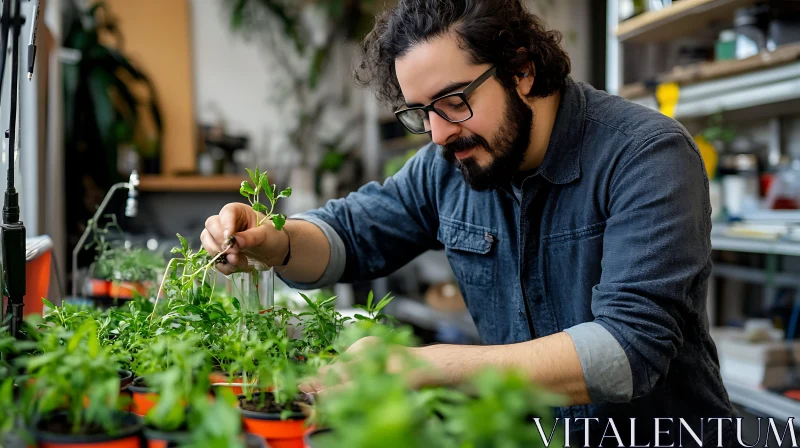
(180, 389)
(275, 410)
(377, 405)
(120, 272)
(77, 395)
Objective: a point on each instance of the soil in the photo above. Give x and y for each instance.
(62, 425)
(269, 406)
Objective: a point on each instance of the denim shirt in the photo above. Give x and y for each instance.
(608, 240)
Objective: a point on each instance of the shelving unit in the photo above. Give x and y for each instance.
(760, 88)
(681, 18)
(226, 183)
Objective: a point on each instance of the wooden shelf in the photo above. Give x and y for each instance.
(682, 18)
(222, 183)
(707, 71)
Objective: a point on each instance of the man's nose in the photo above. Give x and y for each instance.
(441, 129)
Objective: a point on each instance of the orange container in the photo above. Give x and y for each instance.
(142, 399)
(37, 275)
(235, 388)
(129, 437)
(125, 290)
(277, 432)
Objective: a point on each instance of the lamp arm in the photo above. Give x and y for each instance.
(88, 230)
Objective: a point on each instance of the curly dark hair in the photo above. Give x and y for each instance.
(499, 32)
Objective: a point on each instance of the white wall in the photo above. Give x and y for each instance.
(231, 78)
(571, 17)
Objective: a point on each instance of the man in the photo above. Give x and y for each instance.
(577, 223)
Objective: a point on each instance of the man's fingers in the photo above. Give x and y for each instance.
(250, 238)
(233, 218)
(233, 263)
(208, 242)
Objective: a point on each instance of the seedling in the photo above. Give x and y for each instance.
(374, 311)
(74, 372)
(252, 191)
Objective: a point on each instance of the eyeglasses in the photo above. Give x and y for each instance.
(453, 107)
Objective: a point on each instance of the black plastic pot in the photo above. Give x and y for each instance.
(130, 436)
(254, 441)
(160, 439)
(312, 437)
(125, 378)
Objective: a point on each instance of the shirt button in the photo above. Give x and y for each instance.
(521, 313)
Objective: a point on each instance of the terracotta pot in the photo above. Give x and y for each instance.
(129, 437)
(142, 398)
(278, 433)
(160, 439)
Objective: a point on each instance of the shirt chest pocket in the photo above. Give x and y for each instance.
(467, 247)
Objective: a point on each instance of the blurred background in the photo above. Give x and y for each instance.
(190, 92)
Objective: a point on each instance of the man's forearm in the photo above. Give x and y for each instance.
(310, 252)
(551, 362)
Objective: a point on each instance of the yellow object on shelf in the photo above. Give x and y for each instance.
(667, 95)
(709, 155)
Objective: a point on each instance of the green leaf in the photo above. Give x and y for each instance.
(370, 297)
(267, 189)
(384, 301)
(246, 190)
(285, 193)
(252, 176)
(184, 243)
(261, 208)
(94, 347)
(235, 303)
(48, 304)
(279, 221)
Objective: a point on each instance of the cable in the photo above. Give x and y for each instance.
(4, 24)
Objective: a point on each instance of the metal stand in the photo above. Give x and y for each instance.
(13, 230)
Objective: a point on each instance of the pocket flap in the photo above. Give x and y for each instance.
(464, 236)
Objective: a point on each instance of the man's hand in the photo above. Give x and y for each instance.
(317, 385)
(236, 229)
(398, 362)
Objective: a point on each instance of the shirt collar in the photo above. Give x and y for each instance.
(561, 163)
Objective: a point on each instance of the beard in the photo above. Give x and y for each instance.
(507, 149)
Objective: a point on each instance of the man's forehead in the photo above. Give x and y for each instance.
(430, 66)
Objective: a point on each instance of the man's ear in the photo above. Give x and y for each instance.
(525, 80)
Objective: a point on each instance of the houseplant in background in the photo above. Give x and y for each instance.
(306, 41)
(110, 105)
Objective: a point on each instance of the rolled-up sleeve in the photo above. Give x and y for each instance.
(656, 250)
(605, 365)
(382, 226)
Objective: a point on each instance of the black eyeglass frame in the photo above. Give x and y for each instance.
(463, 94)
